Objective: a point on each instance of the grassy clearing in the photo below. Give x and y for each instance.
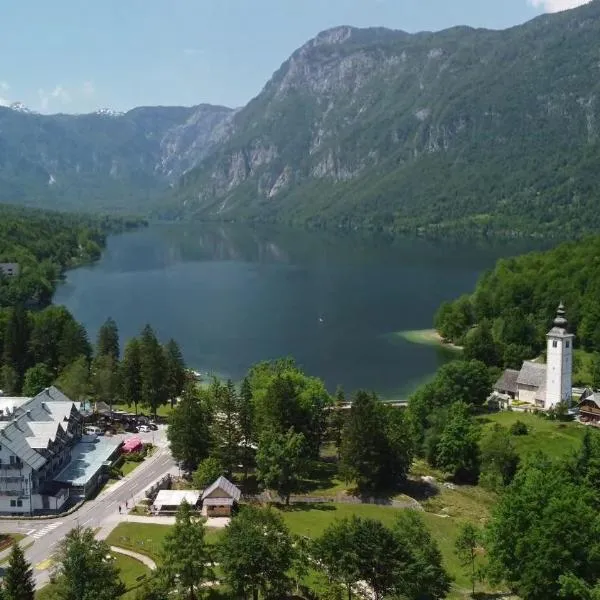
(147, 538)
(553, 438)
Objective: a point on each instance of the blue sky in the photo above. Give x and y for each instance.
(80, 55)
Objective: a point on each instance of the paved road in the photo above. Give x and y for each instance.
(102, 512)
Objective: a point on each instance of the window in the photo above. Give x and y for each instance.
(19, 502)
(568, 344)
(13, 503)
(554, 344)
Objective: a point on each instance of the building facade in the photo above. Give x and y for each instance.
(543, 386)
(37, 436)
(10, 269)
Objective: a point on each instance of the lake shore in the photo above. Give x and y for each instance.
(426, 337)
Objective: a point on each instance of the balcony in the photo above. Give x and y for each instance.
(9, 466)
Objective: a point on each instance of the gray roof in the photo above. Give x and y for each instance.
(591, 397)
(229, 488)
(218, 501)
(532, 374)
(36, 424)
(507, 381)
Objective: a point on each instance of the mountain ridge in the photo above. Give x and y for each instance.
(392, 130)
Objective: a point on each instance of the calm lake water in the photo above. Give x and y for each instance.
(232, 296)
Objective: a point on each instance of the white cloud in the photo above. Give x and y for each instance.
(4, 102)
(59, 95)
(557, 5)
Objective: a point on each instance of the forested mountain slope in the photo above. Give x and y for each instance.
(102, 160)
(384, 129)
(514, 304)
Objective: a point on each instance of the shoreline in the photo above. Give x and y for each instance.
(426, 337)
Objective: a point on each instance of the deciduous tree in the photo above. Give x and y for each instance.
(499, 458)
(466, 546)
(208, 471)
(256, 552)
(36, 379)
(280, 461)
(74, 381)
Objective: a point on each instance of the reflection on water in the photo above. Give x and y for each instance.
(234, 295)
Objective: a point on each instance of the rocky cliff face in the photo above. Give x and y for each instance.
(105, 159)
(391, 129)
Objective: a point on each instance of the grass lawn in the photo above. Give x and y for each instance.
(551, 437)
(8, 539)
(312, 520)
(147, 538)
(128, 466)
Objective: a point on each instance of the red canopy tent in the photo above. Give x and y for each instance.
(133, 444)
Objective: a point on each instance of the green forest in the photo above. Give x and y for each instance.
(44, 244)
(512, 307)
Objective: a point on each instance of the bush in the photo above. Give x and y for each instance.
(519, 428)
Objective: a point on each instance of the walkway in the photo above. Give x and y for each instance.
(141, 557)
(211, 522)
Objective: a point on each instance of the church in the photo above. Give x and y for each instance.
(543, 386)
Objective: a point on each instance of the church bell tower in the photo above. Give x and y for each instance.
(559, 361)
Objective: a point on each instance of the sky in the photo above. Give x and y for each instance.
(77, 56)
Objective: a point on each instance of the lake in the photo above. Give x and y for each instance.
(234, 295)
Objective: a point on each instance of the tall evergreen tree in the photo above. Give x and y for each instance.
(188, 431)
(175, 370)
(105, 378)
(131, 374)
(18, 577)
(225, 432)
(16, 338)
(85, 569)
(108, 340)
(245, 421)
(153, 371)
(185, 553)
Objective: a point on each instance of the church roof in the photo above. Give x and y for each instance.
(532, 374)
(507, 381)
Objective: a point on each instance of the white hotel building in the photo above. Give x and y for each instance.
(43, 461)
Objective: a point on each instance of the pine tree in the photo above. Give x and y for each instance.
(225, 431)
(245, 420)
(153, 370)
(18, 578)
(108, 339)
(131, 374)
(175, 370)
(16, 338)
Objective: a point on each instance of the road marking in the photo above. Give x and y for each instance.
(47, 529)
(45, 564)
(87, 521)
(30, 532)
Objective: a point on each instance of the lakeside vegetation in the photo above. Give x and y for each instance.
(505, 319)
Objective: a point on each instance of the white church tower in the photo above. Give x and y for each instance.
(559, 361)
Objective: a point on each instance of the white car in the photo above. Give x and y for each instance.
(144, 429)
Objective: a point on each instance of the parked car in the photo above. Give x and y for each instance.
(144, 429)
(91, 430)
(153, 426)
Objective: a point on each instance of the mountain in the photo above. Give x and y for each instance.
(463, 128)
(105, 159)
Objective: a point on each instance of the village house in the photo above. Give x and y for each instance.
(220, 499)
(540, 385)
(10, 269)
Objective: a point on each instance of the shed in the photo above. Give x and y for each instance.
(219, 499)
(171, 500)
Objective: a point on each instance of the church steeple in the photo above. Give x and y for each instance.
(559, 361)
(560, 320)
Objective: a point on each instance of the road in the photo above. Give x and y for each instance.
(101, 513)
